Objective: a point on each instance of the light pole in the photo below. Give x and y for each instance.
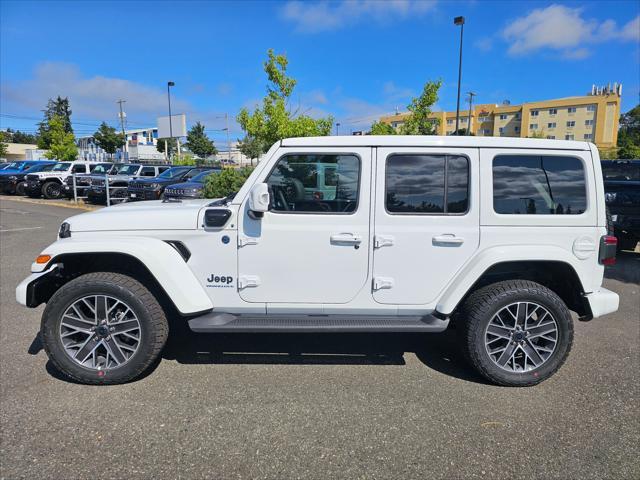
(337, 128)
(471, 95)
(459, 21)
(169, 85)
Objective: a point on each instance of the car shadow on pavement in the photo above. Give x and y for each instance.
(626, 269)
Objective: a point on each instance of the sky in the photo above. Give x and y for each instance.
(354, 59)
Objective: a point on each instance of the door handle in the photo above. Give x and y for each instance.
(448, 239)
(346, 238)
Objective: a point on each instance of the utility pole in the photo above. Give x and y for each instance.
(124, 134)
(337, 128)
(226, 119)
(471, 95)
(169, 85)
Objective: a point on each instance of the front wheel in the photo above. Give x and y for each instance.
(516, 333)
(20, 189)
(52, 190)
(103, 328)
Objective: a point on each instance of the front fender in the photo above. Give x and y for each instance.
(162, 260)
(483, 261)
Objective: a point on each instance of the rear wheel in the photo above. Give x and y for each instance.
(52, 190)
(20, 188)
(103, 328)
(516, 333)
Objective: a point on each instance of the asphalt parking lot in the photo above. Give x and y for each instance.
(313, 406)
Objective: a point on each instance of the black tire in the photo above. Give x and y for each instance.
(480, 308)
(52, 190)
(153, 322)
(20, 189)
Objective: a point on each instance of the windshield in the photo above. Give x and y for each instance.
(61, 167)
(174, 172)
(127, 169)
(15, 166)
(40, 168)
(101, 168)
(202, 175)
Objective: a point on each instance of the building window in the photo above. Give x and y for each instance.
(591, 108)
(501, 130)
(538, 185)
(534, 113)
(551, 137)
(568, 137)
(588, 136)
(571, 124)
(588, 123)
(571, 109)
(517, 129)
(553, 111)
(486, 131)
(503, 117)
(551, 125)
(483, 119)
(463, 120)
(449, 121)
(300, 184)
(416, 184)
(533, 126)
(517, 116)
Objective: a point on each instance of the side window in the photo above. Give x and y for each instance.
(79, 169)
(538, 185)
(295, 187)
(427, 184)
(148, 172)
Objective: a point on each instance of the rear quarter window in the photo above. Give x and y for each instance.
(539, 185)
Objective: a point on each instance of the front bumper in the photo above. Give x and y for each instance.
(8, 186)
(26, 290)
(602, 302)
(33, 186)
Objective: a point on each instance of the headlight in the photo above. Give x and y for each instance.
(155, 186)
(13, 178)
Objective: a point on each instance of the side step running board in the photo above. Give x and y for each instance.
(226, 322)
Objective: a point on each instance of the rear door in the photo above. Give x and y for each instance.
(426, 221)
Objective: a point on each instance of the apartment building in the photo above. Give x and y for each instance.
(593, 118)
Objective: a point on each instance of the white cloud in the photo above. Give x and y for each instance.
(314, 17)
(394, 92)
(564, 30)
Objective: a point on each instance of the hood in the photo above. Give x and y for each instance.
(186, 186)
(150, 215)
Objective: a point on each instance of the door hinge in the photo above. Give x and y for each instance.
(382, 283)
(246, 281)
(242, 241)
(382, 241)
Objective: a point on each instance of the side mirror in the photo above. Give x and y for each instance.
(259, 199)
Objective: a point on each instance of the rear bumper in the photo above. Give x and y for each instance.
(602, 302)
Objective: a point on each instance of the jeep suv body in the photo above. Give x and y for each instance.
(13, 182)
(83, 180)
(119, 180)
(191, 188)
(153, 188)
(50, 183)
(500, 236)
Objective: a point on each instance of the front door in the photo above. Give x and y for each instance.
(312, 246)
(426, 221)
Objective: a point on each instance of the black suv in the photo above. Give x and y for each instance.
(153, 188)
(83, 180)
(190, 189)
(14, 182)
(622, 196)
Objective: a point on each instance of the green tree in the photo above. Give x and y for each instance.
(3, 146)
(274, 120)
(21, 137)
(228, 181)
(629, 134)
(108, 138)
(199, 143)
(171, 145)
(63, 146)
(185, 159)
(420, 121)
(251, 147)
(381, 128)
(55, 108)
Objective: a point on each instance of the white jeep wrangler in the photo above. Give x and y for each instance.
(501, 237)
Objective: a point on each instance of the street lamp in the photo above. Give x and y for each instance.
(459, 21)
(337, 127)
(169, 85)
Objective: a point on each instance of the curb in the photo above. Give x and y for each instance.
(70, 204)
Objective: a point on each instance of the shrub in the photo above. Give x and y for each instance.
(229, 180)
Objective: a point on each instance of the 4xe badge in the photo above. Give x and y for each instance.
(219, 281)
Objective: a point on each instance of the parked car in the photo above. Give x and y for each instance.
(501, 236)
(191, 189)
(20, 166)
(153, 188)
(83, 180)
(622, 196)
(3, 165)
(119, 180)
(14, 182)
(50, 184)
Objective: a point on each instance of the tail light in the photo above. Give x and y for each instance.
(607, 254)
